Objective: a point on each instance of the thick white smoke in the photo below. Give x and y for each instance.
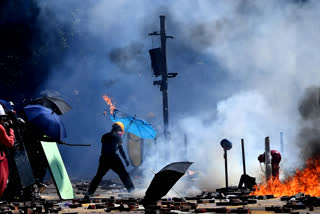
(235, 117)
(270, 50)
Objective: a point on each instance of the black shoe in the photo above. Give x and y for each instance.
(87, 195)
(130, 190)
(42, 187)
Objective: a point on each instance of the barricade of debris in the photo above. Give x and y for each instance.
(206, 202)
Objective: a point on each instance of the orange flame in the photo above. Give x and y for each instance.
(110, 104)
(191, 172)
(305, 181)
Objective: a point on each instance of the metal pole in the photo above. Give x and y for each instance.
(244, 163)
(164, 82)
(281, 142)
(226, 167)
(268, 159)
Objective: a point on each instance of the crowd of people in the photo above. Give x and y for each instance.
(30, 137)
(16, 134)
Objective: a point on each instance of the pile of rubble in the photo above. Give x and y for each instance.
(206, 202)
(296, 202)
(78, 205)
(41, 206)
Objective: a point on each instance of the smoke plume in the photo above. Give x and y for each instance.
(309, 133)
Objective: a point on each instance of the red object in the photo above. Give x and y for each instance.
(4, 168)
(275, 161)
(4, 174)
(6, 140)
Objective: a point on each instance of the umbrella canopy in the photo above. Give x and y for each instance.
(135, 126)
(164, 180)
(46, 120)
(57, 104)
(6, 105)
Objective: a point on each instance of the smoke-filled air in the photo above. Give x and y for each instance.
(246, 70)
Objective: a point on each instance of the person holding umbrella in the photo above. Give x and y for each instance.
(43, 124)
(109, 159)
(8, 141)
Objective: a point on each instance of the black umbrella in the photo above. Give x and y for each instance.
(164, 180)
(57, 104)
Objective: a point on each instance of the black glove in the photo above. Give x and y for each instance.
(127, 162)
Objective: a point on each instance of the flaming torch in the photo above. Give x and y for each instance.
(109, 103)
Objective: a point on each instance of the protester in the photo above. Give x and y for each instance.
(109, 159)
(275, 161)
(7, 139)
(37, 158)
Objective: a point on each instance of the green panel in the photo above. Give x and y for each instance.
(58, 170)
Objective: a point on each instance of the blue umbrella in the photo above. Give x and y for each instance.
(46, 120)
(135, 126)
(6, 105)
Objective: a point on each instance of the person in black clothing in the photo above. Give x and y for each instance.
(38, 161)
(109, 159)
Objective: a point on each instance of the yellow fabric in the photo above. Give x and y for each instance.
(120, 124)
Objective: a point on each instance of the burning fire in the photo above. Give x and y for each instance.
(191, 172)
(110, 104)
(305, 181)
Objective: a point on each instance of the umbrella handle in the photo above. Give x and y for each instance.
(183, 199)
(125, 131)
(68, 144)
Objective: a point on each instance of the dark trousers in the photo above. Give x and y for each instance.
(113, 162)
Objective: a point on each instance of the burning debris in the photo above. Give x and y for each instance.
(303, 181)
(307, 179)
